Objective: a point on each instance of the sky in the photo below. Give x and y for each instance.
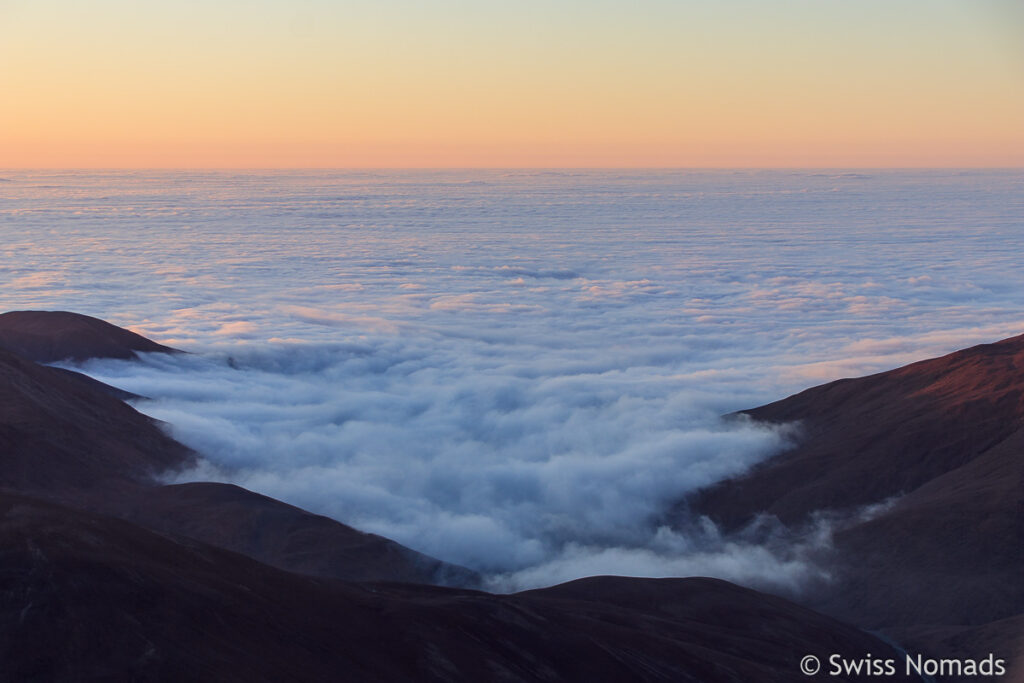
(565, 83)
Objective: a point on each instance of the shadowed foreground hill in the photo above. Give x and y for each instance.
(87, 597)
(107, 575)
(64, 437)
(282, 535)
(51, 336)
(943, 440)
(61, 436)
(870, 438)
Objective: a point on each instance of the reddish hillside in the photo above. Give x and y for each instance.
(866, 439)
(943, 438)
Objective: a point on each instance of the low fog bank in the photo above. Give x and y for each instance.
(766, 554)
(516, 372)
(785, 563)
(530, 472)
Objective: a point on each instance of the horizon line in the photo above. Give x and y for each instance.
(1019, 167)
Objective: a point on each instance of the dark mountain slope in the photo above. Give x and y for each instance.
(86, 597)
(870, 438)
(51, 336)
(64, 437)
(281, 535)
(1005, 637)
(949, 552)
(61, 436)
(943, 441)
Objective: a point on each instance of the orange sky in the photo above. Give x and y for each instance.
(394, 83)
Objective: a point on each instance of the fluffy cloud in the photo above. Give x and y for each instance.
(518, 374)
(498, 463)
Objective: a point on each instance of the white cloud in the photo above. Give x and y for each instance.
(494, 463)
(518, 375)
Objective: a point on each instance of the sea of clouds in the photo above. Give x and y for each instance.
(516, 371)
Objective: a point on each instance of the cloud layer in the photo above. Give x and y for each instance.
(495, 464)
(518, 372)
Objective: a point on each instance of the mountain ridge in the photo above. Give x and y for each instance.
(204, 581)
(941, 442)
(52, 336)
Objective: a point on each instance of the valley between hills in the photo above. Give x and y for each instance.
(109, 574)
